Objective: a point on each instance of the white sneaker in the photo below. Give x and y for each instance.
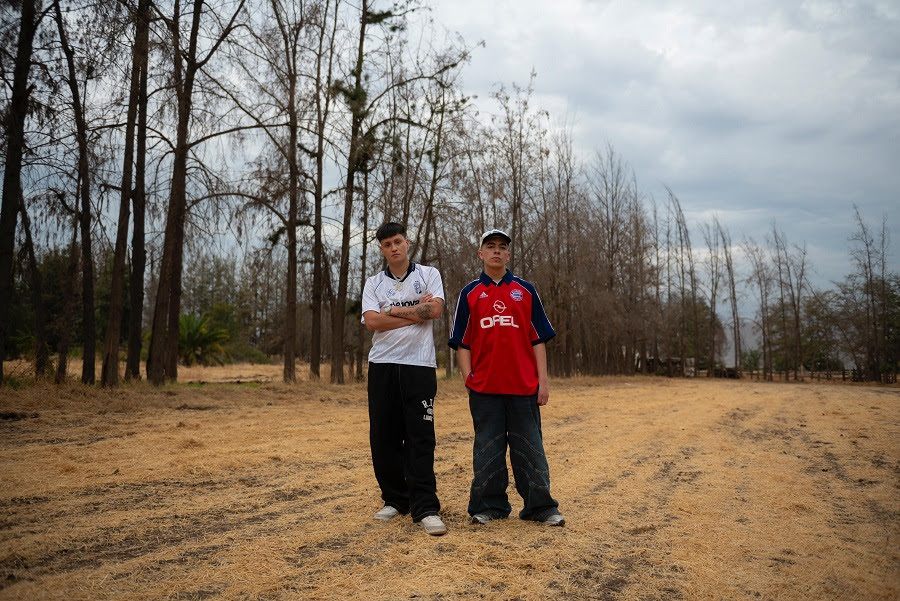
(555, 520)
(433, 525)
(386, 513)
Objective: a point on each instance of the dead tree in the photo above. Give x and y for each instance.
(110, 371)
(89, 341)
(732, 297)
(162, 359)
(12, 171)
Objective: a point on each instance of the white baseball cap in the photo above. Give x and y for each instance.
(495, 232)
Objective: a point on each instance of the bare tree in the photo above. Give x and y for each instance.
(761, 277)
(110, 370)
(725, 237)
(687, 285)
(37, 291)
(865, 298)
(362, 104)
(513, 144)
(89, 341)
(139, 198)
(562, 200)
(791, 268)
(322, 101)
(275, 109)
(714, 278)
(12, 171)
(189, 60)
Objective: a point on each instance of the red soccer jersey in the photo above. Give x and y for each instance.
(499, 324)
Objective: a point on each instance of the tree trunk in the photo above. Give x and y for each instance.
(358, 112)
(162, 360)
(110, 371)
(290, 326)
(428, 213)
(89, 354)
(156, 365)
(37, 299)
(288, 39)
(12, 171)
(69, 307)
(322, 110)
(139, 198)
(179, 199)
(360, 328)
(732, 291)
(315, 341)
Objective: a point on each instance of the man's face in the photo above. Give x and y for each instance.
(494, 252)
(395, 248)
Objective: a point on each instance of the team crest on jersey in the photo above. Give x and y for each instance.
(516, 295)
(391, 292)
(483, 295)
(417, 287)
(499, 306)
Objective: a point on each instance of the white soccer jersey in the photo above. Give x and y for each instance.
(413, 344)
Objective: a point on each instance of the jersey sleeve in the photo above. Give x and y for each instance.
(369, 299)
(460, 321)
(436, 284)
(539, 320)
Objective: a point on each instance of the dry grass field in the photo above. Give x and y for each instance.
(673, 489)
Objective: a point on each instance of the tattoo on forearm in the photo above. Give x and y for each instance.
(423, 312)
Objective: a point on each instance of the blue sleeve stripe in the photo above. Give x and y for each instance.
(461, 317)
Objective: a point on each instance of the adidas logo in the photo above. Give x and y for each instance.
(483, 295)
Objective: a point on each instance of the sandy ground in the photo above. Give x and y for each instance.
(673, 489)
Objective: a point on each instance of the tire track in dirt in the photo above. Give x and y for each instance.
(632, 558)
(687, 494)
(166, 525)
(790, 431)
(638, 558)
(828, 471)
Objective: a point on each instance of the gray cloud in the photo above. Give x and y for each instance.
(772, 110)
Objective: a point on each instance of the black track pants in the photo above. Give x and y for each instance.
(401, 435)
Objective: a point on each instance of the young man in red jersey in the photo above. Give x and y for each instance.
(499, 332)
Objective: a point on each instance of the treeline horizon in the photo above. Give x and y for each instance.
(140, 135)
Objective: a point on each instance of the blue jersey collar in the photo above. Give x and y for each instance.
(487, 281)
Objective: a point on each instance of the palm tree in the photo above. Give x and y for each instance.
(198, 342)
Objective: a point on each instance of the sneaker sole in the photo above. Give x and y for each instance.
(436, 532)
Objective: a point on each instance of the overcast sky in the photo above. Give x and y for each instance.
(754, 111)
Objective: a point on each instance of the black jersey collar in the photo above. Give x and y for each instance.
(409, 270)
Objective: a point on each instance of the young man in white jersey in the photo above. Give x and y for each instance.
(399, 305)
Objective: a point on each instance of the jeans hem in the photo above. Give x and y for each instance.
(542, 515)
(419, 518)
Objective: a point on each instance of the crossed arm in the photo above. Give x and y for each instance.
(391, 318)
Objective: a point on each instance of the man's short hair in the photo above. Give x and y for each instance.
(389, 230)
